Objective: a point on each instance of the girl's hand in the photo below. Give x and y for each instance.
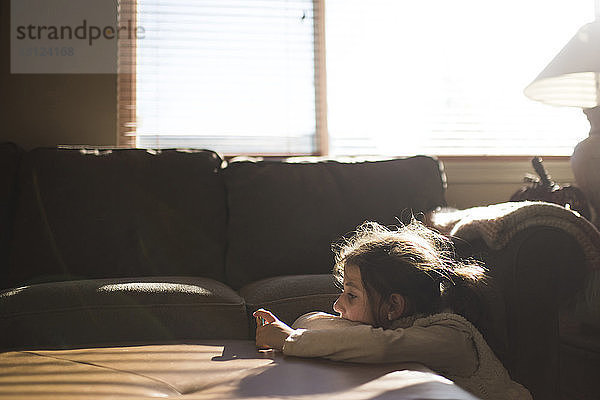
(270, 332)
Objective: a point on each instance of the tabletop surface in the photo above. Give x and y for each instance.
(209, 370)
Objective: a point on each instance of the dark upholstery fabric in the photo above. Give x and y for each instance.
(120, 311)
(580, 365)
(289, 297)
(284, 215)
(119, 213)
(537, 272)
(9, 163)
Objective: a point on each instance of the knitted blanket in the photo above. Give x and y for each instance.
(498, 224)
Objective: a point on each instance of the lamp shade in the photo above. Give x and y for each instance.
(571, 78)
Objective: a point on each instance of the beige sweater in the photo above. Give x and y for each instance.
(447, 343)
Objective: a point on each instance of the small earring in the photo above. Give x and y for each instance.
(390, 316)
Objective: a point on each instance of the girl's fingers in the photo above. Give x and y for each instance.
(267, 316)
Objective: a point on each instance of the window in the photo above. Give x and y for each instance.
(447, 77)
(234, 76)
(429, 77)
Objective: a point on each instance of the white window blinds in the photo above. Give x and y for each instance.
(403, 77)
(231, 76)
(447, 77)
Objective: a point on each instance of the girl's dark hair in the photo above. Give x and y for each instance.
(415, 262)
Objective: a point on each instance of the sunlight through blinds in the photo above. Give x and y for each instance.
(447, 77)
(230, 76)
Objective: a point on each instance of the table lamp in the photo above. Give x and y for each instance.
(572, 79)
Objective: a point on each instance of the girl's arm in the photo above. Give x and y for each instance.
(445, 346)
(271, 333)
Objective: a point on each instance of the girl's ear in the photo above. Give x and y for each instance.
(397, 305)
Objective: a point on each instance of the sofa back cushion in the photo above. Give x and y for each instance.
(284, 216)
(118, 213)
(9, 163)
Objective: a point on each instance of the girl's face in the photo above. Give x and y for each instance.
(353, 303)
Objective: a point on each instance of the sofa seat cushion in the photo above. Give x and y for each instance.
(109, 311)
(289, 297)
(93, 214)
(283, 216)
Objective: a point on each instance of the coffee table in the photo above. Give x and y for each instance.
(207, 370)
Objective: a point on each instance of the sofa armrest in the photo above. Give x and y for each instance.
(538, 270)
(579, 359)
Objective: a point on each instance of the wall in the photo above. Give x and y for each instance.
(46, 110)
(474, 182)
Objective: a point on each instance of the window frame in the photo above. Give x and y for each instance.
(126, 78)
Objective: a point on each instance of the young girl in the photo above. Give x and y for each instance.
(402, 293)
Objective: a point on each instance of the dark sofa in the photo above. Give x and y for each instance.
(122, 247)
